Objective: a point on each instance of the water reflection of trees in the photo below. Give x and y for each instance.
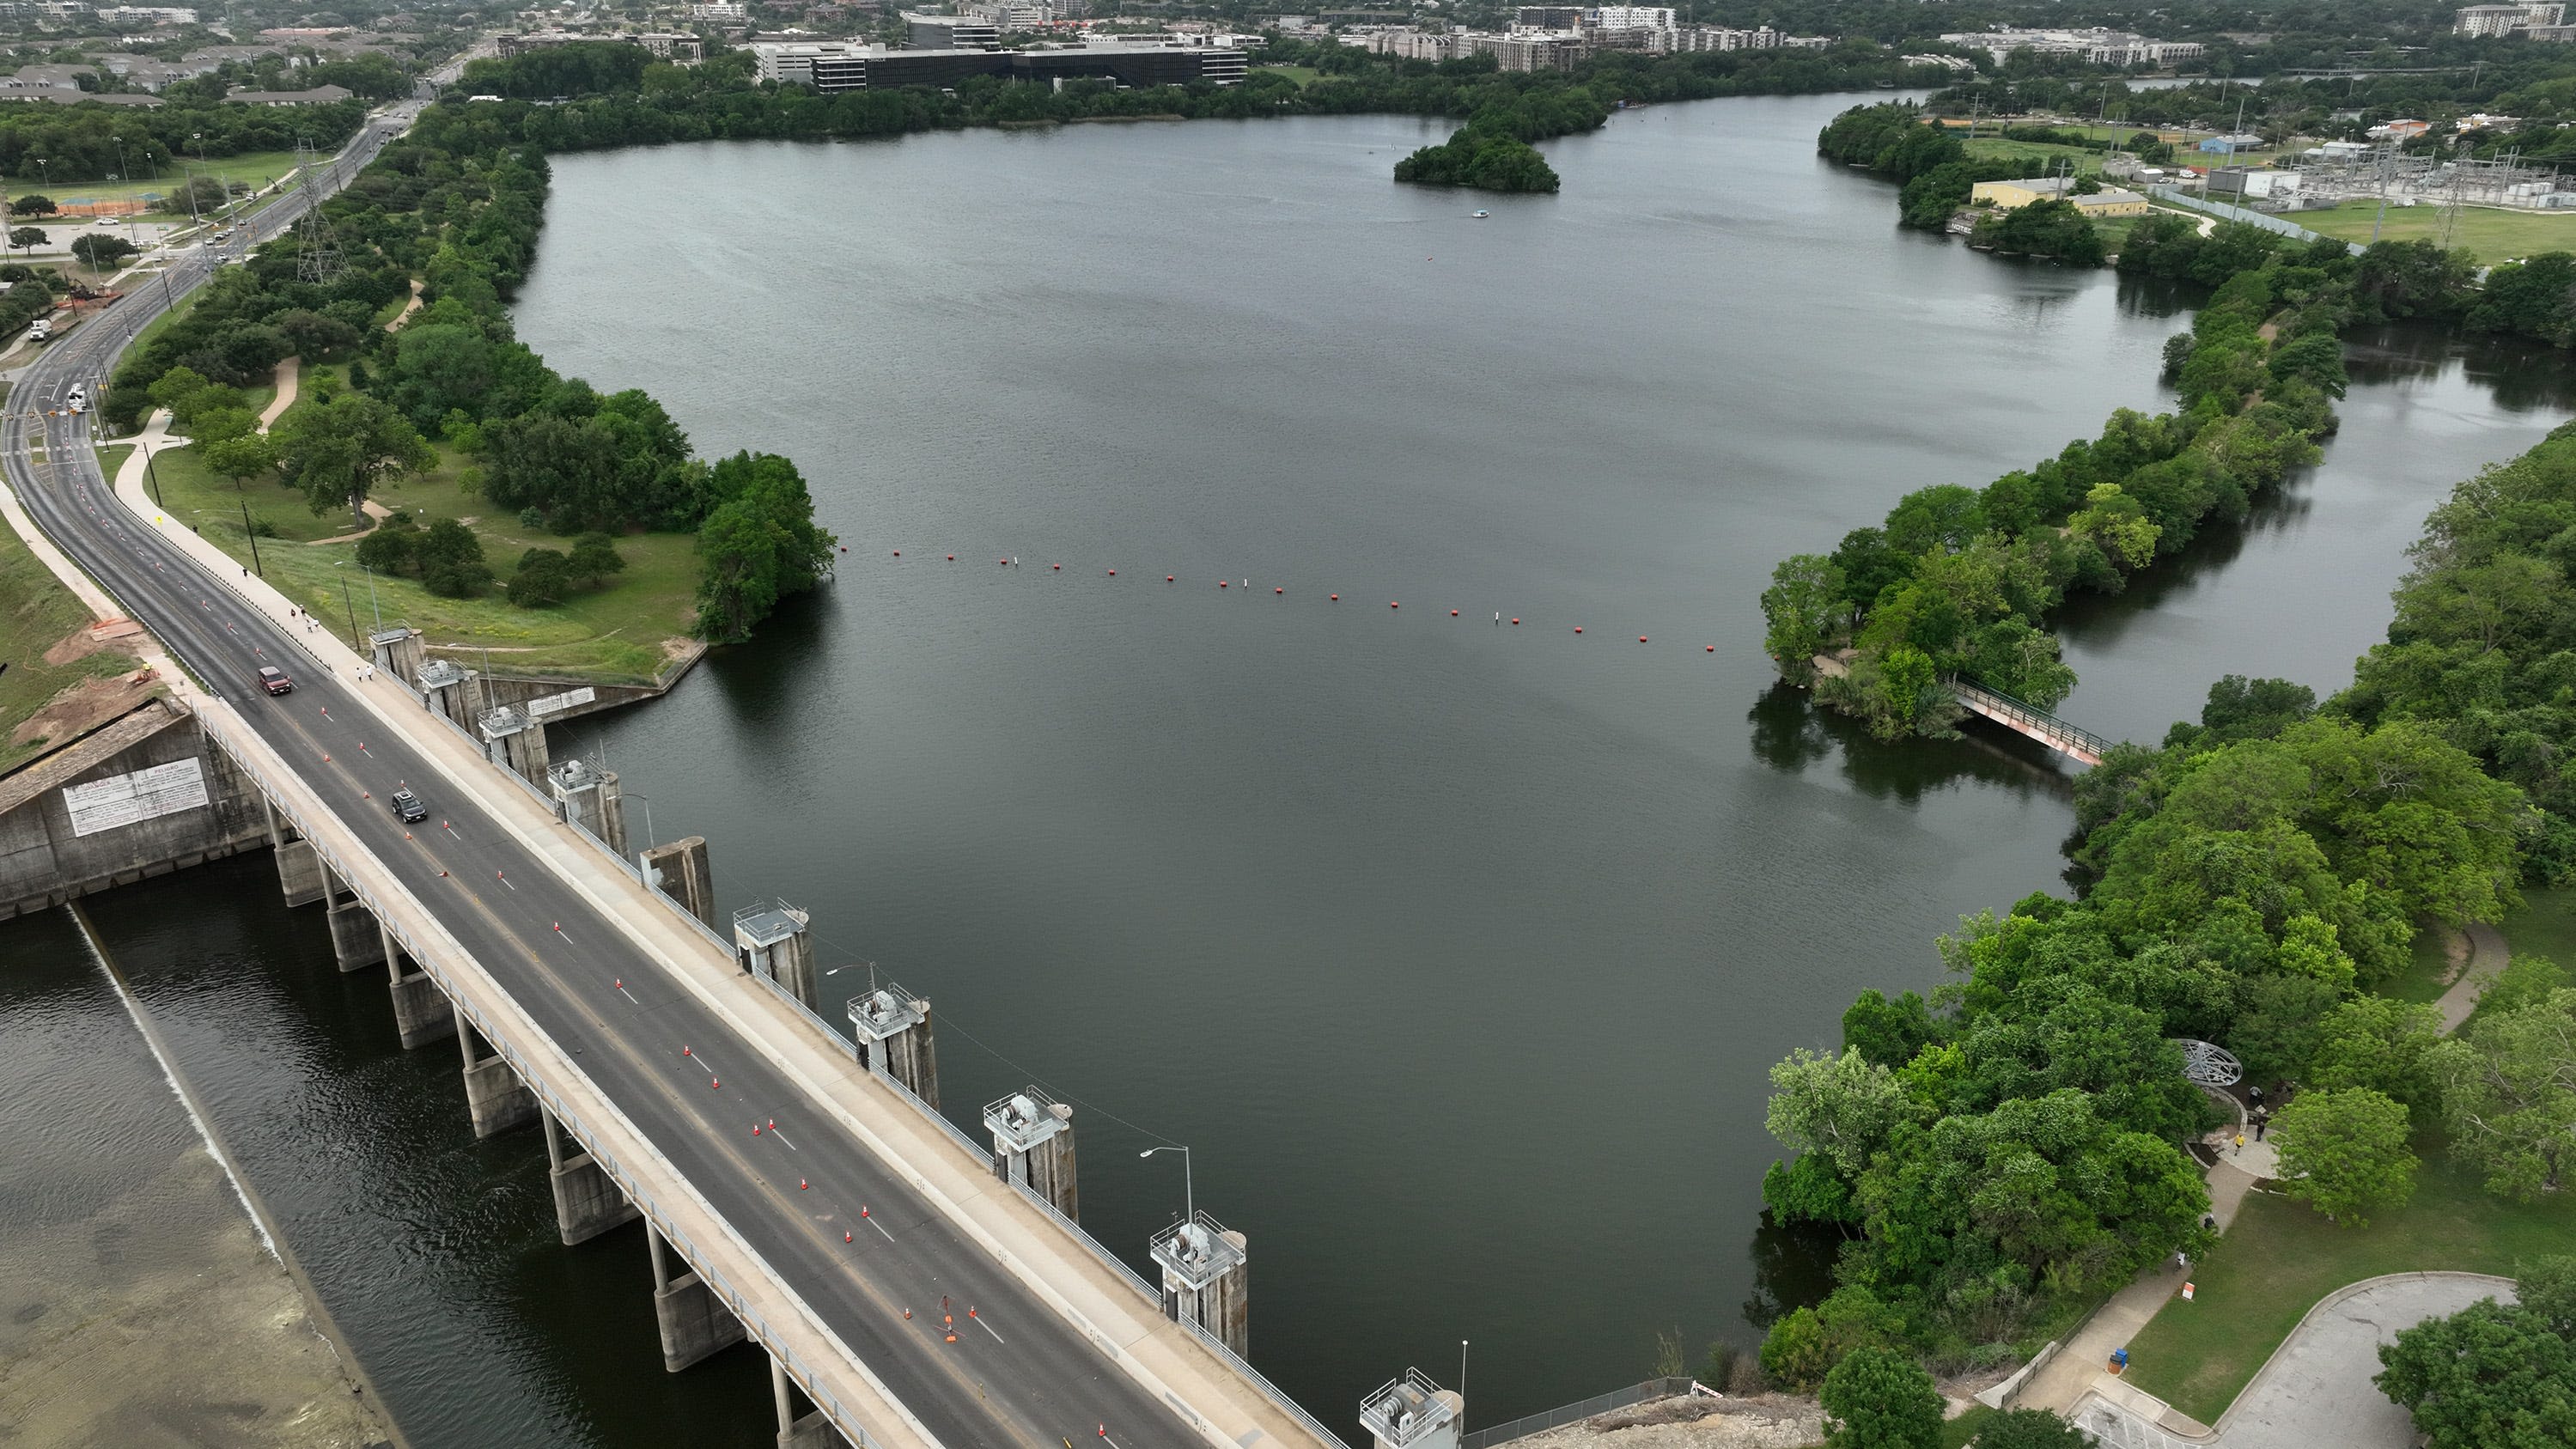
(1793, 734)
(1793, 1268)
(2521, 375)
(2099, 620)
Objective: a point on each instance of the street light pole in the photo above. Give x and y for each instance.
(1189, 1193)
(253, 536)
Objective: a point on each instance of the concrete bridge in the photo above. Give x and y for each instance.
(913, 1287)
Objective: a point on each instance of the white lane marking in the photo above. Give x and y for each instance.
(988, 1328)
(880, 1227)
(781, 1136)
(629, 995)
(505, 880)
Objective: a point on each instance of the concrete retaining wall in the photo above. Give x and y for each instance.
(58, 840)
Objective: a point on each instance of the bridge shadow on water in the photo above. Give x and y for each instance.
(1794, 734)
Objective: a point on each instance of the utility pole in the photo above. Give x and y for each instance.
(247, 532)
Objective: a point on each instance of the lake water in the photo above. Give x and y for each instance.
(1457, 950)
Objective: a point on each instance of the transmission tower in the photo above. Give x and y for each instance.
(317, 255)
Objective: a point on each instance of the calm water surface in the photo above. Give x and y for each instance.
(1457, 951)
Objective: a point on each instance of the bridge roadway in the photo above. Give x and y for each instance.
(1018, 1374)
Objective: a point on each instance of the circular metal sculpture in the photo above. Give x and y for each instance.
(2211, 1066)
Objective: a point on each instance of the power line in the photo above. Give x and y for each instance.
(948, 1020)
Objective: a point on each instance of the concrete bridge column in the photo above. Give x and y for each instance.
(422, 1012)
(680, 871)
(299, 869)
(809, 1430)
(492, 1091)
(588, 1201)
(356, 939)
(695, 1323)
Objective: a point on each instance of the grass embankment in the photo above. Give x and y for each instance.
(2280, 1257)
(1303, 75)
(614, 634)
(37, 612)
(2493, 235)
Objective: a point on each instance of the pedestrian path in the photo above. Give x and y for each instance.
(2316, 1388)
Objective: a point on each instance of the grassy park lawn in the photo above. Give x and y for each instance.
(2038, 158)
(1303, 75)
(253, 168)
(35, 612)
(612, 634)
(2279, 1258)
(2492, 234)
(2422, 981)
(2545, 926)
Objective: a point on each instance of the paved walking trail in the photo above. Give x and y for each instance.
(2487, 956)
(287, 371)
(2316, 1388)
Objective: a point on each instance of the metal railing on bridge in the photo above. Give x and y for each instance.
(2029, 720)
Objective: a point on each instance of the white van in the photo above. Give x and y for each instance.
(40, 329)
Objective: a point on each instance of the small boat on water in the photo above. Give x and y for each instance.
(1480, 216)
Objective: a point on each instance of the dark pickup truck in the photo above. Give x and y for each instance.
(274, 680)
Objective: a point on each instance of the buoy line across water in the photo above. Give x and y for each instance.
(1244, 586)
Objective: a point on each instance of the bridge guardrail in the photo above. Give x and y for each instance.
(1288, 1405)
(1997, 705)
(504, 1045)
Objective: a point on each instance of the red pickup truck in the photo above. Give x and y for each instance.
(274, 680)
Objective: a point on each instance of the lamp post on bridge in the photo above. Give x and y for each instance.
(1189, 1194)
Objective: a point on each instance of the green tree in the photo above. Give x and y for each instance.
(758, 545)
(1806, 612)
(392, 546)
(2344, 1153)
(2546, 1289)
(1841, 1108)
(337, 448)
(2381, 1044)
(26, 238)
(1880, 1398)
(241, 458)
(99, 249)
(32, 204)
(2487, 1377)
(544, 578)
(2029, 1429)
(2508, 1086)
(451, 560)
(1806, 1344)
(594, 557)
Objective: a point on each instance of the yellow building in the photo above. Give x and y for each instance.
(2007, 195)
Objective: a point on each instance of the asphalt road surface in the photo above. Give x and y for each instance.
(1017, 1373)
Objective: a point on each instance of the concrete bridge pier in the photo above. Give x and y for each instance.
(892, 1027)
(516, 742)
(770, 939)
(680, 871)
(422, 1012)
(1033, 1146)
(695, 1323)
(588, 796)
(493, 1092)
(588, 1201)
(1413, 1413)
(299, 869)
(1206, 1278)
(807, 1430)
(356, 939)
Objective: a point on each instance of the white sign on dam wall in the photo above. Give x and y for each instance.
(143, 795)
(553, 703)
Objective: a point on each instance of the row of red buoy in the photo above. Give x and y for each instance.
(1008, 562)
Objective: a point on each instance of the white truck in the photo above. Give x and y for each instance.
(40, 329)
